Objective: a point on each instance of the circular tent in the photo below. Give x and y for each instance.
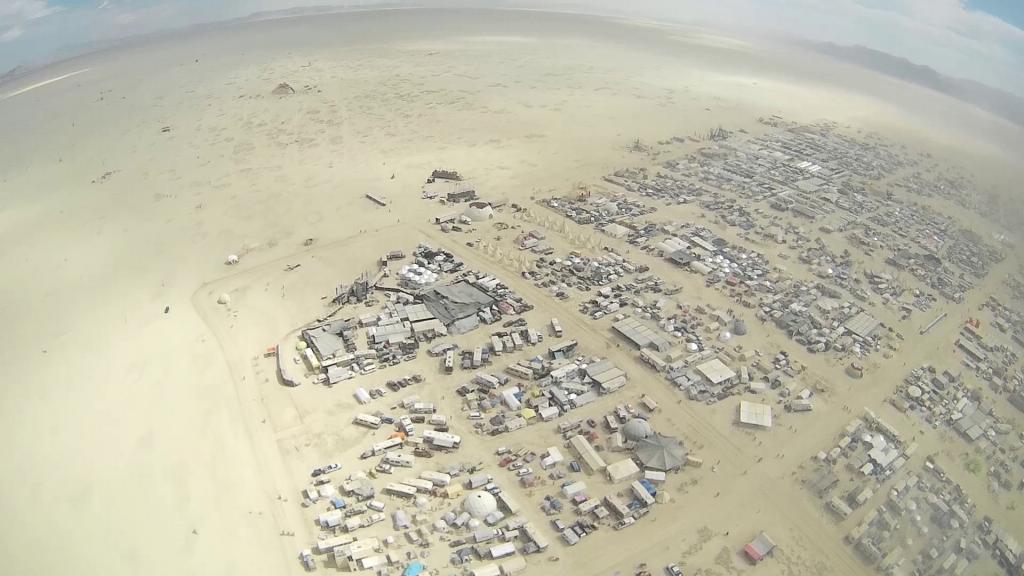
(479, 212)
(637, 429)
(479, 504)
(661, 453)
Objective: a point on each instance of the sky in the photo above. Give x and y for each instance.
(978, 39)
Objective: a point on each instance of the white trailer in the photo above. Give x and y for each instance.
(421, 485)
(422, 408)
(389, 444)
(368, 421)
(436, 478)
(401, 490)
(442, 439)
(362, 396)
(314, 364)
(401, 460)
(548, 413)
(502, 550)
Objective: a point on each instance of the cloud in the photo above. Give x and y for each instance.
(15, 14)
(10, 34)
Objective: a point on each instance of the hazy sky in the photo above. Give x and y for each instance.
(978, 39)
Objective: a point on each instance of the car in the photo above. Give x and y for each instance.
(515, 465)
(591, 422)
(325, 469)
(625, 523)
(574, 466)
(501, 451)
(387, 419)
(558, 525)
(673, 570)
(393, 386)
(524, 472)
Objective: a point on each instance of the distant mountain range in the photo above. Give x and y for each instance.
(993, 100)
(13, 73)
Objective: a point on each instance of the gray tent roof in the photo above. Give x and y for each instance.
(661, 452)
(455, 301)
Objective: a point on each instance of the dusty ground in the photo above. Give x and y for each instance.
(145, 440)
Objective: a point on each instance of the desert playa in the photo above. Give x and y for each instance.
(147, 430)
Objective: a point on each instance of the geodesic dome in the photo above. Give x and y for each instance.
(479, 211)
(637, 429)
(479, 504)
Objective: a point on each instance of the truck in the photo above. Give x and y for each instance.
(556, 328)
(613, 424)
(449, 361)
(570, 425)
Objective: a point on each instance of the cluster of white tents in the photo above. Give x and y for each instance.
(417, 275)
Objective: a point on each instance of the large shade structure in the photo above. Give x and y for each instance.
(661, 452)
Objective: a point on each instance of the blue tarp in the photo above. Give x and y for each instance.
(650, 487)
(414, 569)
(337, 502)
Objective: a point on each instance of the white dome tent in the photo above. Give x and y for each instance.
(416, 276)
(637, 429)
(479, 504)
(479, 212)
